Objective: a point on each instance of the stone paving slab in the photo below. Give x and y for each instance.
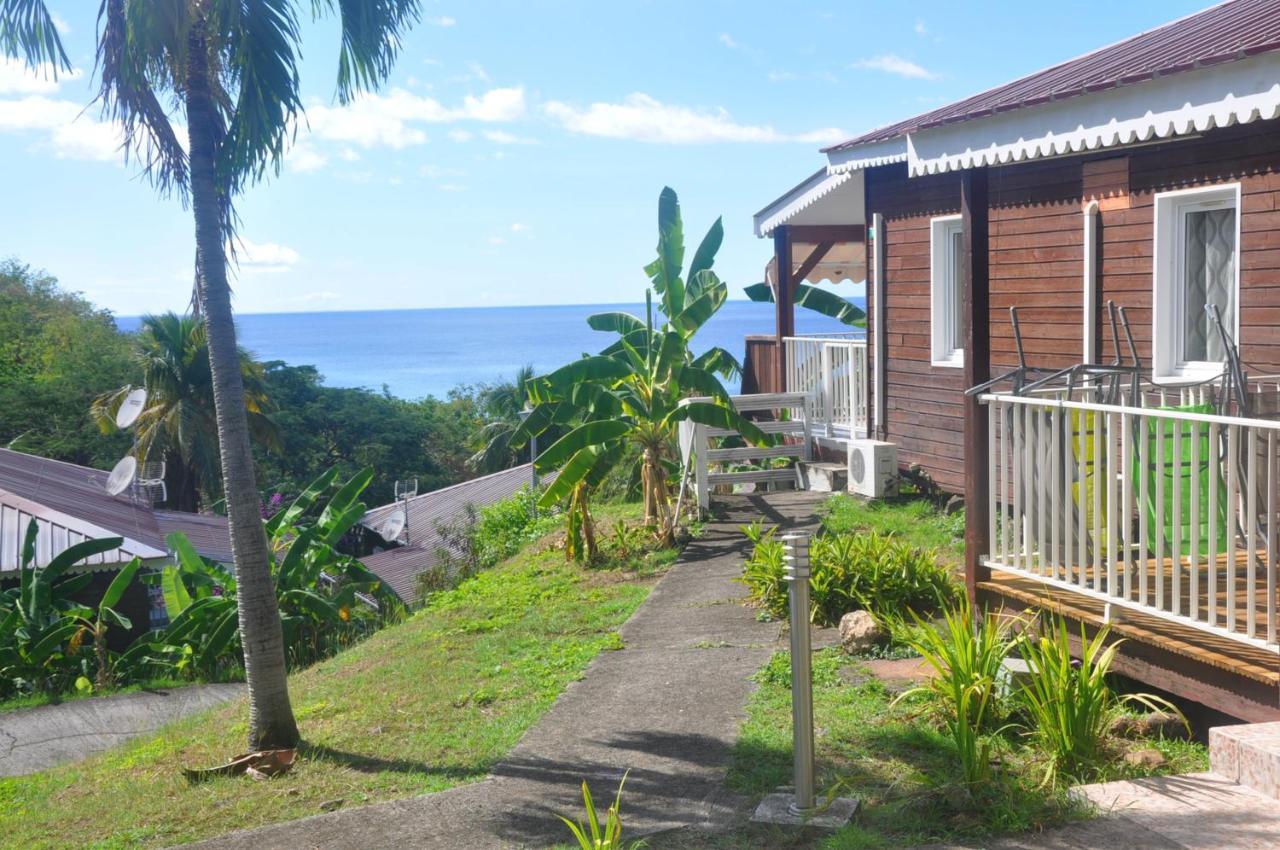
(667, 708)
(35, 739)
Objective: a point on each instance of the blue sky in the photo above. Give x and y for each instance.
(516, 154)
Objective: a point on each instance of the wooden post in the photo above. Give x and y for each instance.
(784, 302)
(976, 290)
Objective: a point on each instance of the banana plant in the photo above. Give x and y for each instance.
(638, 390)
(818, 300)
(100, 620)
(40, 621)
(323, 594)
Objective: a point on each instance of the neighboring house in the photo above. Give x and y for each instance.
(1147, 174)
(70, 503)
(417, 548)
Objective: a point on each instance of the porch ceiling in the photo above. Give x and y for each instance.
(842, 261)
(821, 199)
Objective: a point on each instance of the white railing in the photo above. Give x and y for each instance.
(1170, 512)
(832, 370)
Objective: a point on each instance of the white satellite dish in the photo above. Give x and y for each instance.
(392, 527)
(122, 475)
(131, 408)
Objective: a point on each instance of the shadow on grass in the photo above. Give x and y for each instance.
(365, 763)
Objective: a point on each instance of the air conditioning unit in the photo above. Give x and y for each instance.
(873, 468)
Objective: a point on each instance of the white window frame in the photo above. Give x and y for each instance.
(1167, 303)
(944, 293)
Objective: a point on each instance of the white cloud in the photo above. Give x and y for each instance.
(891, 63)
(69, 134)
(478, 71)
(17, 77)
(920, 28)
(267, 257)
(461, 135)
(60, 24)
(520, 227)
(388, 119)
(496, 240)
(728, 41)
(502, 137)
(640, 117)
(303, 157)
(441, 21)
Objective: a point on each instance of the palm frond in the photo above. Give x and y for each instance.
(371, 36)
(27, 30)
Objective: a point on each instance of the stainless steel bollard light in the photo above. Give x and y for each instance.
(797, 578)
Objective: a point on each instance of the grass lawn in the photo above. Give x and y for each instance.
(37, 700)
(421, 706)
(909, 517)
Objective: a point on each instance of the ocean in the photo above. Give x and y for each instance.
(416, 353)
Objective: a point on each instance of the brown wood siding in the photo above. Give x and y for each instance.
(924, 411)
(1036, 263)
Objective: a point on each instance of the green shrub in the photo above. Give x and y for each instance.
(1069, 705)
(850, 571)
(967, 661)
(593, 835)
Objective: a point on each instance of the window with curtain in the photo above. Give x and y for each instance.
(946, 297)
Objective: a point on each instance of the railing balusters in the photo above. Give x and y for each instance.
(1126, 504)
(1233, 514)
(1175, 545)
(1098, 439)
(1112, 530)
(1144, 529)
(1211, 563)
(993, 482)
(1080, 422)
(1193, 553)
(1251, 536)
(1271, 537)
(1161, 517)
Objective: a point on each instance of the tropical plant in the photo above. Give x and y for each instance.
(502, 405)
(875, 572)
(178, 424)
(327, 599)
(593, 835)
(227, 70)
(98, 621)
(818, 300)
(41, 624)
(637, 390)
(1069, 705)
(968, 663)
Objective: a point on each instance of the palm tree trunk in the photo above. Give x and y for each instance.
(271, 721)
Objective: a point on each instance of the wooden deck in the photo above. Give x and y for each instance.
(1231, 676)
(1213, 595)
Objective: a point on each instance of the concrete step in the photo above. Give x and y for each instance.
(1248, 754)
(824, 476)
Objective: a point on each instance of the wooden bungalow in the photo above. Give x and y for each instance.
(1142, 493)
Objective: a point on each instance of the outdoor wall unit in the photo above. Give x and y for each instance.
(873, 468)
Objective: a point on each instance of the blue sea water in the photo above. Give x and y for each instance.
(416, 353)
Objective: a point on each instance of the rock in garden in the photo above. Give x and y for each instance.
(1156, 724)
(859, 632)
(1145, 759)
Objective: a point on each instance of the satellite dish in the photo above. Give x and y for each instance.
(122, 475)
(391, 529)
(131, 407)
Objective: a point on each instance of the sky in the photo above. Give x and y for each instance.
(516, 153)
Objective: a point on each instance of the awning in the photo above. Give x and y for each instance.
(843, 261)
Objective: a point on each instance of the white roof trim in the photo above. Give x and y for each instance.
(785, 208)
(1180, 104)
(869, 155)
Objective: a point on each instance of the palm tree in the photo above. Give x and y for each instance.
(179, 422)
(502, 405)
(229, 68)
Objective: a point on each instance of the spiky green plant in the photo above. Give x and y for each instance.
(1069, 704)
(593, 835)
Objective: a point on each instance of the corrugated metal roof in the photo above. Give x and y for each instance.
(1230, 31)
(80, 491)
(400, 567)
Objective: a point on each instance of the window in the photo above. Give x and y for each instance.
(1197, 271)
(946, 319)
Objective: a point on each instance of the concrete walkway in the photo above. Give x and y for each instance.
(667, 708)
(35, 739)
(1199, 811)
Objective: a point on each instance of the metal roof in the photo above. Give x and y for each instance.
(1230, 31)
(80, 492)
(399, 567)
